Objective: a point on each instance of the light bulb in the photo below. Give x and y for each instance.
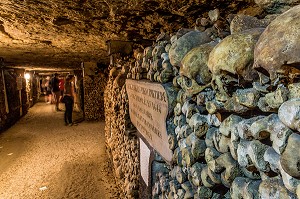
(27, 76)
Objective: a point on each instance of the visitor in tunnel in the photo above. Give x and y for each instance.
(69, 100)
(61, 86)
(48, 96)
(55, 90)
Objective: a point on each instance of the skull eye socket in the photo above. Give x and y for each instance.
(228, 77)
(291, 71)
(229, 80)
(263, 71)
(188, 82)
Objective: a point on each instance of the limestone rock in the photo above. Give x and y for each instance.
(251, 174)
(276, 6)
(177, 156)
(180, 194)
(65, 33)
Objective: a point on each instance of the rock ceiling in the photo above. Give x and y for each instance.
(64, 33)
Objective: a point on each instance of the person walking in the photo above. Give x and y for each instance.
(69, 94)
(56, 91)
(61, 87)
(48, 96)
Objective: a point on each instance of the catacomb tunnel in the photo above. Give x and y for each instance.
(150, 99)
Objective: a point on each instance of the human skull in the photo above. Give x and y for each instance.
(194, 64)
(157, 51)
(231, 61)
(190, 86)
(148, 52)
(277, 51)
(166, 74)
(147, 57)
(186, 43)
(156, 65)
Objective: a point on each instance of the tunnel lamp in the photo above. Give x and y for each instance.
(27, 76)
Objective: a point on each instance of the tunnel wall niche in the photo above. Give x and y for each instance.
(13, 97)
(230, 136)
(94, 82)
(33, 89)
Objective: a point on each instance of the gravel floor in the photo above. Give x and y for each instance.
(40, 157)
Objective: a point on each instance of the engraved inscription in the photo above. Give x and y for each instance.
(148, 109)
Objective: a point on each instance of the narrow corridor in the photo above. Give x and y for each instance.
(43, 158)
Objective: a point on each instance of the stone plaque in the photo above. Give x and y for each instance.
(148, 109)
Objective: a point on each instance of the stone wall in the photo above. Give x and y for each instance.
(121, 141)
(14, 109)
(234, 132)
(2, 102)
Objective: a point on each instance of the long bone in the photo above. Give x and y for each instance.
(272, 127)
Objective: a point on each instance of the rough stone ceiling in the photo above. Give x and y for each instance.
(64, 33)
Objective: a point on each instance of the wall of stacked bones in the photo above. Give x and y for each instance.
(121, 140)
(234, 131)
(10, 111)
(94, 87)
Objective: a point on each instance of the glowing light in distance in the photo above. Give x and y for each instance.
(27, 76)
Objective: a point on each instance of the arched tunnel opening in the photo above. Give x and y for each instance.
(148, 99)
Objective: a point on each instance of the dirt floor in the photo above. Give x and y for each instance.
(40, 157)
